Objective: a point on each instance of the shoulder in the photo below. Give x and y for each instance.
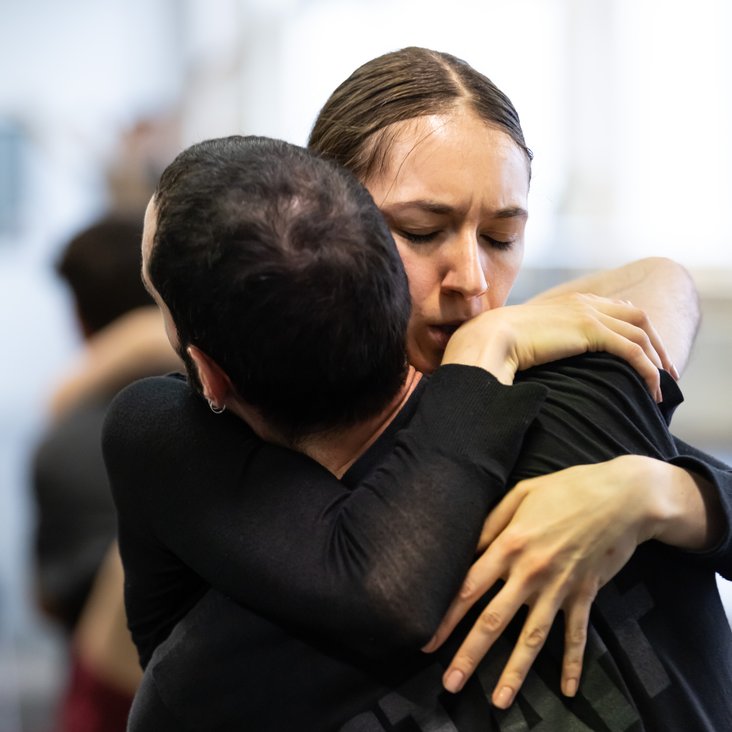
(593, 375)
(163, 414)
(152, 393)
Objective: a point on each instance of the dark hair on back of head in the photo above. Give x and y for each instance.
(279, 266)
(101, 265)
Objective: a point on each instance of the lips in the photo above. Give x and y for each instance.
(440, 334)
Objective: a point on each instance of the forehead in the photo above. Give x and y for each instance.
(439, 157)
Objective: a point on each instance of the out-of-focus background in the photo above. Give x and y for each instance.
(627, 105)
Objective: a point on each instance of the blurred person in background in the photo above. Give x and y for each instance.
(75, 535)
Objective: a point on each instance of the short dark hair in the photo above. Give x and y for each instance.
(279, 266)
(101, 265)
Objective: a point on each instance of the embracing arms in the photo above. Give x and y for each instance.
(254, 561)
(558, 538)
(661, 288)
(214, 505)
(277, 532)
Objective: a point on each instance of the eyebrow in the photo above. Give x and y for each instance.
(443, 209)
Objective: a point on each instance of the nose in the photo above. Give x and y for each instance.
(465, 269)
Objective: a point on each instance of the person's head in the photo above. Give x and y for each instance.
(101, 266)
(281, 280)
(442, 152)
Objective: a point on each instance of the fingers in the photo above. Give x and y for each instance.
(646, 335)
(493, 621)
(485, 572)
(532, 639)
(635, 334)
(480, 578)
(618, 341)
(500, 517)
(576, 621)
(484, 633)
(641, 320)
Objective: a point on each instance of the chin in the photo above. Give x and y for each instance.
(426, 363)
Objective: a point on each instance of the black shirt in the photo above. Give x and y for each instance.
(658, 651)
(203, 502)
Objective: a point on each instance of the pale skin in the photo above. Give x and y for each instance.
(456, 253)
(454, 192)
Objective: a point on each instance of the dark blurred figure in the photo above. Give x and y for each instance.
(76, 516)
(124, 340)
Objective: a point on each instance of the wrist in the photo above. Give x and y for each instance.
(683, 507)
(488, 347)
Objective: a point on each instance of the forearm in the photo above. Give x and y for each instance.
(715, 480)
(686, 495)
(390, 552)
(375, 564)
(683, 508)
(661, 287)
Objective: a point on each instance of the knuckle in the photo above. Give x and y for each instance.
(576, 635)
(465, 662)
(535, 636)
(513, 677)
(490, 621)
(643, 339)
(587, 591)
(512, 542)
(572, 666)
(469, 587)
(635, 351)
(538, 567)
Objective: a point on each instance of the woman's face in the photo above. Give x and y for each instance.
(454, 193)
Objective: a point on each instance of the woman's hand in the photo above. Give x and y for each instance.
(516, 337)
(663, 288)
(556, 540)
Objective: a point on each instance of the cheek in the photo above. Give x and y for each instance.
(424, 280)
(501, 273)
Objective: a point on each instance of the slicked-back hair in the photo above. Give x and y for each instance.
(280, 267)
(354, 127)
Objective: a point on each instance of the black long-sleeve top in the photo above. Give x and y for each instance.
(659, 651)
(203, 502)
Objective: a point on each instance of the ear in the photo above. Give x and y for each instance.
(214, 381)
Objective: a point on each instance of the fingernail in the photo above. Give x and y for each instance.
(454, 680)
(675, 373)
(504, 697)
(427, 647)
(570, 687)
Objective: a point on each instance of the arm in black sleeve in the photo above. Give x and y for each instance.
(598, 408)
(278, 533)
(719, 476)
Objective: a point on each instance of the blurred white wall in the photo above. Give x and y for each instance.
(625, 103)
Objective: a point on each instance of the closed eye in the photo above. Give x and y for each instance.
(414, 238)
(499, 244)
(432, 236)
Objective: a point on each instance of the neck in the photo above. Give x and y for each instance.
(338, 450)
